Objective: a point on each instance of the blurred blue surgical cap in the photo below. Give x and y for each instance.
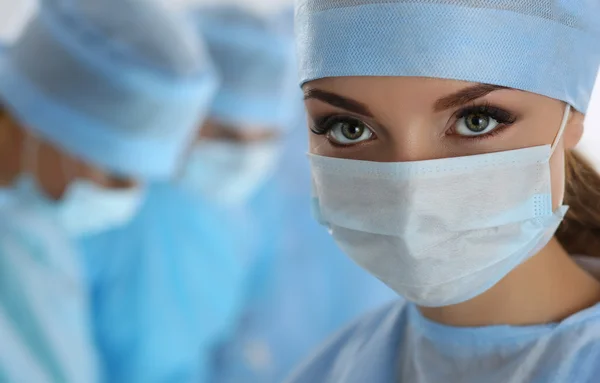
(121, 84)
(256, 59)
(549, 47)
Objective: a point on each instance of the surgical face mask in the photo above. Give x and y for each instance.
(85, 208)
(440, 232)
(227, 173)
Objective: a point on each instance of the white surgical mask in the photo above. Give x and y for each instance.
(440, 232)
(227, 173)
(85, 208)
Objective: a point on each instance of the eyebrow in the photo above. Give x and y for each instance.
(464, 96)
(338, 101)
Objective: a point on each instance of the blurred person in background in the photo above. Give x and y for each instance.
(165, 287)
(298, 288)
(169, 286)
(239, 148)
(97, 99)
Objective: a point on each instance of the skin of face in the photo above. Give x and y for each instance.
(53, 169)
(400, 119)
(214, 130)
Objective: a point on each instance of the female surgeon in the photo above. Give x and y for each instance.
(442, 160)
(97, 97)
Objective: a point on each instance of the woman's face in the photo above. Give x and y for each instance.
(400, 119)
(53, 169)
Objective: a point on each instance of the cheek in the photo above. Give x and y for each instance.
(319, 145)
(557, 171)
(48, 167)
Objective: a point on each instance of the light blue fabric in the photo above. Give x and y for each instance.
(44, 309)
(118, 83)
(397, 345)
(302, 288)
(256, 59)
(548, 47)
(165, 290)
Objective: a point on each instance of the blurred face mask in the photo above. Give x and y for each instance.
(227, 173)
(440, 232)
(85, 207)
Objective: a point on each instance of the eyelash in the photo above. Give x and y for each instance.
(322, 126)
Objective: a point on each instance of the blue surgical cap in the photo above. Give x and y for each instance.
(549, 47)
(120, 84)
(257, 63)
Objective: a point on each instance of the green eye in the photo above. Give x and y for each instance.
(475, 124)
(348, 131)
(352, 132)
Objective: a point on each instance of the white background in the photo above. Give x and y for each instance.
(14, 12)
(12, 15)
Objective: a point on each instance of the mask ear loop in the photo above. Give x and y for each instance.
(561, 131)
(560, 134)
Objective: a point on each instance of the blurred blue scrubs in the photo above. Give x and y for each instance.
(164, 289)
(44, 307)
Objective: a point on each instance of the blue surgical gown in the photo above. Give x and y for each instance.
(397, 344)
(164, 289)
(45, 327)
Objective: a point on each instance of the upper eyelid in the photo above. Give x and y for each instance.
(487, 109)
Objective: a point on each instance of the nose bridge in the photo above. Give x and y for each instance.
(414, 140)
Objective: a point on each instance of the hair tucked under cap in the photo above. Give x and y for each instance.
(549, 47)
(118, 83)
(256, 59)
